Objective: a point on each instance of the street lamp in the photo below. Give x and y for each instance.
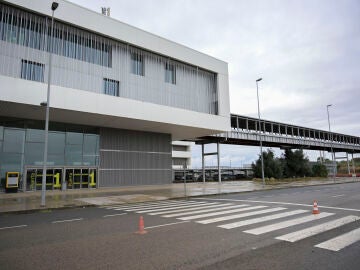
(261, 152)
(54, 6)
(331, 143)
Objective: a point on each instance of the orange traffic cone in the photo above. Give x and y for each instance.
(315, 209)
(141, 226)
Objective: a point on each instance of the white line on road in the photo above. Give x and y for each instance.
(168, 224)
(305, 233)
(188, 209)
(205, 211)
(340, 195)
(13, 227)
(239, 209)
(287, 223)
(284, 203)
(114, 215)
(164, 205)
(67, 220)
(260, 219)
(155, 204)
(212, 220)
(173, 208)
(342, 241)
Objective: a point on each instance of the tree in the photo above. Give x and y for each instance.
(319, 170)
(272, 166)
(295, 163)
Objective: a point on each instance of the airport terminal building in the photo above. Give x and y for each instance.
(119, 97)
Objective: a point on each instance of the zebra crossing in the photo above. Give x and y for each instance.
(235, 216)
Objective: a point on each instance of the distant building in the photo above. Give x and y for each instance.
(119, 97)
(181, 154)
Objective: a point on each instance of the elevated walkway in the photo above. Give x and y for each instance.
(247, 131)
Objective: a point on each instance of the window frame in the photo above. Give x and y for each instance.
(28, 70)
(170, 73)
(137, 63)
(106, 82)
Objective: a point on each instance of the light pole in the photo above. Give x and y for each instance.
(331, 143)
(261, 152)
(54, 6)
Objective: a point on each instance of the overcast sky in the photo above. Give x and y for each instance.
(307, 52)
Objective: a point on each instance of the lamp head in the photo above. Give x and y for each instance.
(329, 105)
(258, 80)
(54, 6)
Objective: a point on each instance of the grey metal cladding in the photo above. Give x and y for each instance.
(134, 177)
(130, 157)
(82, 59)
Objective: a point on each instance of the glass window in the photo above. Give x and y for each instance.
(34, 153)
(32, 71)
(170, 73)
(56, 159)
(89, 161)
(137, 64)
(25, 29)
(35, 135)
(74, 138)
(14, 140)
(56, 143)
(90, 144)
(73, 155)
(111, 87)
(1, 133)
(11, 162)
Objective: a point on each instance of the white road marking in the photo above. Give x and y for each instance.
(287, 223)
(207, 221)
(168, 224)
(187, 209)
(206, 210)
(342, 241)
(261, 219)
(132, 205)
(13, 227)
(67, 220)
(148, 205)
(165, 205)
(223, 212)
(336, 196)
(284, 203)
(172, 208)
(302, 234)
(114, 215)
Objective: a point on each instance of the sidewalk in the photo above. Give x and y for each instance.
(30, 201)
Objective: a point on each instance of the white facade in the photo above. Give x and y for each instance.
(119, 96)
(70, 104)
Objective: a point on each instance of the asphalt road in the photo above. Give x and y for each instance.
(244, 231)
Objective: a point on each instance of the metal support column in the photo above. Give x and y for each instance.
(348, 164)
(218, 162)
(334, 165)
(203, 163)
(353, 163)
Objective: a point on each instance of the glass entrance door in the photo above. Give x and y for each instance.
(76, 178)
(34, 178)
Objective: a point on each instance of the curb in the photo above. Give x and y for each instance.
(29, 211)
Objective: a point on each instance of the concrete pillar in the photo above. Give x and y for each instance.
(203, 162)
